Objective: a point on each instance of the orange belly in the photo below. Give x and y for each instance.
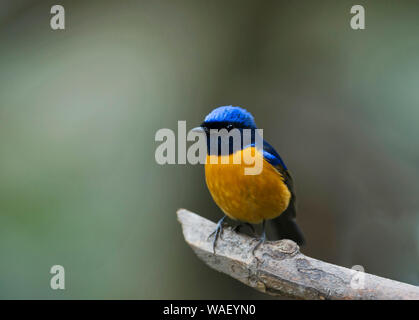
(248, 198)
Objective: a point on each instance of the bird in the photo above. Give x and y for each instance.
(249, 199)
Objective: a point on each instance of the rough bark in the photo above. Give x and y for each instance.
(279, 268)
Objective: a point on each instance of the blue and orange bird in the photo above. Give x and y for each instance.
(250, 199)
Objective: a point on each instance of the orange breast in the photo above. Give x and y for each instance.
(248, 198)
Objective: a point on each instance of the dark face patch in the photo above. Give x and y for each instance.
(223, 125)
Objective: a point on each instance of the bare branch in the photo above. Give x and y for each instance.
(280, 269)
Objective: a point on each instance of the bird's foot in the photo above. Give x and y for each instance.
(217, 232)
(260, 241)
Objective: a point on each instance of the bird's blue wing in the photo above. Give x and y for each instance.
(275, 160)
(285, 225)
(272, 156)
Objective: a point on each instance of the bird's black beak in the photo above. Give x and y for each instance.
(199, 129)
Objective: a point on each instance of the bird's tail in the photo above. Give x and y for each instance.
(286, 227)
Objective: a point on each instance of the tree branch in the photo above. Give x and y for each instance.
(280, 269)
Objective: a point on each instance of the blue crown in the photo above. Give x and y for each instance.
(230, 114)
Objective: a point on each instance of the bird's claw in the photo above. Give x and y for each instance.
(217, 232)
(260, 241)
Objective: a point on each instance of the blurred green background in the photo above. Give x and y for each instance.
(79, 109)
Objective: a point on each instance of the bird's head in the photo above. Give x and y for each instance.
(227, 117)
(220, 122)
